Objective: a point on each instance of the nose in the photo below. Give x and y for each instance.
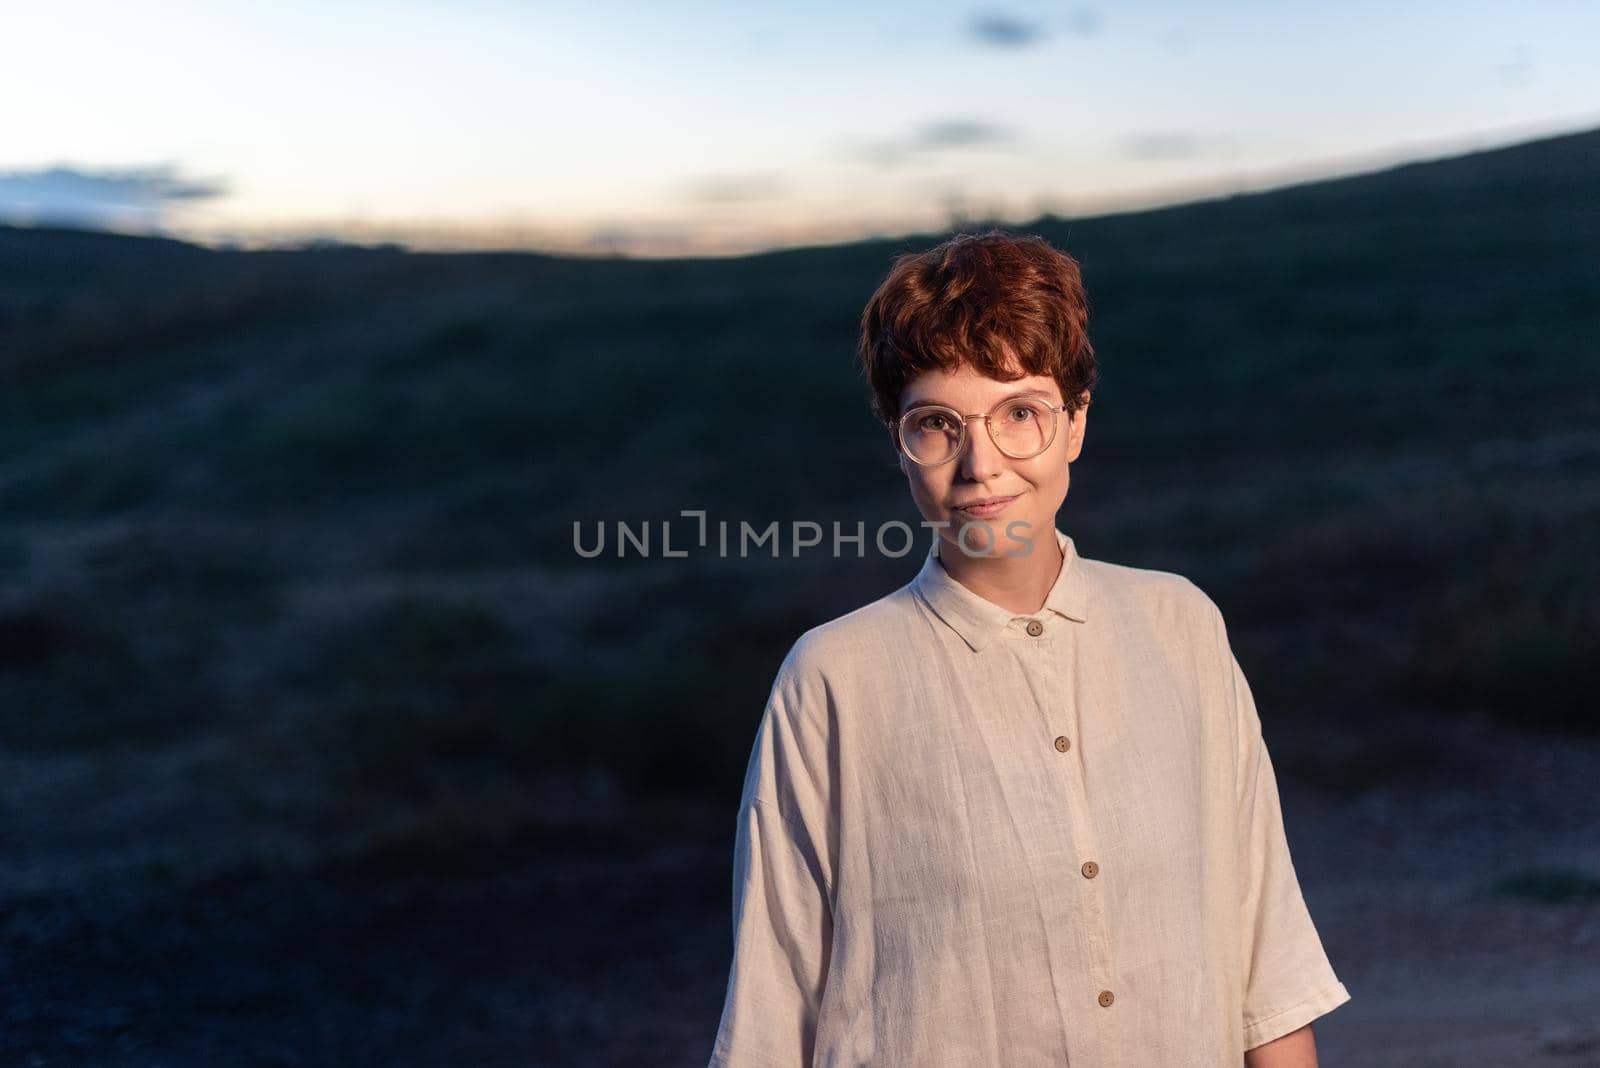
(981, 460)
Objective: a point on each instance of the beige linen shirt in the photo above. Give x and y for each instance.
(973, 837)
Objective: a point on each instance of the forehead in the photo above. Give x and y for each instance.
(967, 389)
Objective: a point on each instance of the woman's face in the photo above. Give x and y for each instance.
(1035, 487)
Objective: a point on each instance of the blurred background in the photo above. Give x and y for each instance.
(322, 325)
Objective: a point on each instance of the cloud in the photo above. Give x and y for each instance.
(935, 136)
(736, 188)
(1518, 70)
(1004, 31)
(134, 198)
(960, 133)
(1169, 144)
(1085, 22)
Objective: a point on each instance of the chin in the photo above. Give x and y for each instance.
(976, 537)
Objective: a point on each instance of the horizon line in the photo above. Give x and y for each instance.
(655, 239)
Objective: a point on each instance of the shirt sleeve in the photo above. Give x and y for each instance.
(782, 893)
(1288, 979)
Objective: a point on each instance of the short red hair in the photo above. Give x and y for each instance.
(990, 301)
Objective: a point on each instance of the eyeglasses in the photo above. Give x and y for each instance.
(1020, 427)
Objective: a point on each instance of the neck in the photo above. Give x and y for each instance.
(1018, 584)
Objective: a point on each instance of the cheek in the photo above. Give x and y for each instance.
(925, 483)
(1047, 474)
(1050, 480)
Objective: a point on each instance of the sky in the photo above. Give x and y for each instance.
(672, 128)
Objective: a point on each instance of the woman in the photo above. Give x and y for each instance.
(1019, 811)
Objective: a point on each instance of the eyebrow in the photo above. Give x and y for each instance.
(926, 403)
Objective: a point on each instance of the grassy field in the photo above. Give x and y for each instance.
(287, 579)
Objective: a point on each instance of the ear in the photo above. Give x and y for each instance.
(1079, 427)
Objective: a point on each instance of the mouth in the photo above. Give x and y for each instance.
(985, 506)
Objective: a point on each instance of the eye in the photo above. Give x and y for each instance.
(933, 423)
(1021, 413)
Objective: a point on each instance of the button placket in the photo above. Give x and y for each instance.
(1089, 905)
(1077, 936)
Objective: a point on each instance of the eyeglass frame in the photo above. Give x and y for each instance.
(895, 427)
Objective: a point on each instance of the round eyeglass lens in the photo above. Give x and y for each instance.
(931, 435)
(1020, 428)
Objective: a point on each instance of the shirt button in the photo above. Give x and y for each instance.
(1090, 869)
(1063, 744)
(1106, 998)
(1035, 628)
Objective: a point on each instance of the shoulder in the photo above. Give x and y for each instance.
(840, 646)
(816, 698)
(1165, 600)
(1164, 617)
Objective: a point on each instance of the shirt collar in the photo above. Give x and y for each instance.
(977, 619)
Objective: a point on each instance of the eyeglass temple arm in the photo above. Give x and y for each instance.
(895, 423)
